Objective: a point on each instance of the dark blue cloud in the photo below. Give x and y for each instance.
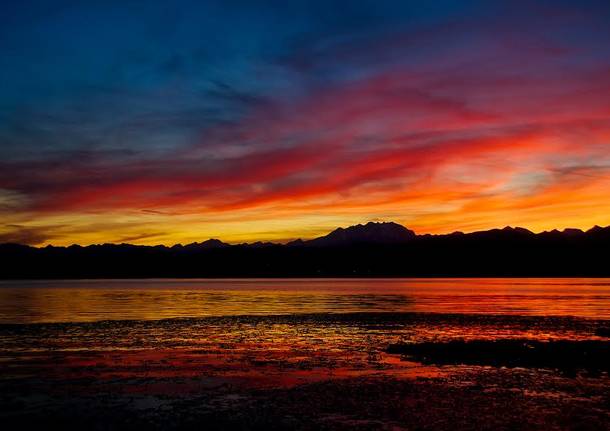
(80, 73)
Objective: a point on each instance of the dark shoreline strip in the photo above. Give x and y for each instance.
(361, 318)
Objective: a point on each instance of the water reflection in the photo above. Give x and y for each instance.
(94, 300)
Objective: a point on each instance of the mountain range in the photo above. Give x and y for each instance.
(387, 233)
(373, 249)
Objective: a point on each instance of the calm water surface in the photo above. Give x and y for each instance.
(94, 300)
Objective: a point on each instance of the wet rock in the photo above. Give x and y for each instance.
(564, 355)
(603, 332)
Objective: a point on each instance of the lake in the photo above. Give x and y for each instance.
(96, 300)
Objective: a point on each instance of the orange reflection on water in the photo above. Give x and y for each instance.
(94, 300)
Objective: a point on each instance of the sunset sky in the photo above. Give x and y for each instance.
(170, 122)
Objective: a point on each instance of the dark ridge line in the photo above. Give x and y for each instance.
(363, 251)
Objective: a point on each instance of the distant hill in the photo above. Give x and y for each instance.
(370, 233)
(370, 250)
(208, 244)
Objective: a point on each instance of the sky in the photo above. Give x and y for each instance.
(155, 122)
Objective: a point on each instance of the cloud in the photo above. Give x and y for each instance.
(26, 235)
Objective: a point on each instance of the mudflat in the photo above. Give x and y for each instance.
(308, 371)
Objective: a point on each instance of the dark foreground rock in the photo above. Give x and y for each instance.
(565, 355)
(603, 332)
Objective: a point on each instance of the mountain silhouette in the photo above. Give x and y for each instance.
(370, 233)
(208, 244)
(383, 249)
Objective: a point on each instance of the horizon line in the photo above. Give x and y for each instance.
(304, 239)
